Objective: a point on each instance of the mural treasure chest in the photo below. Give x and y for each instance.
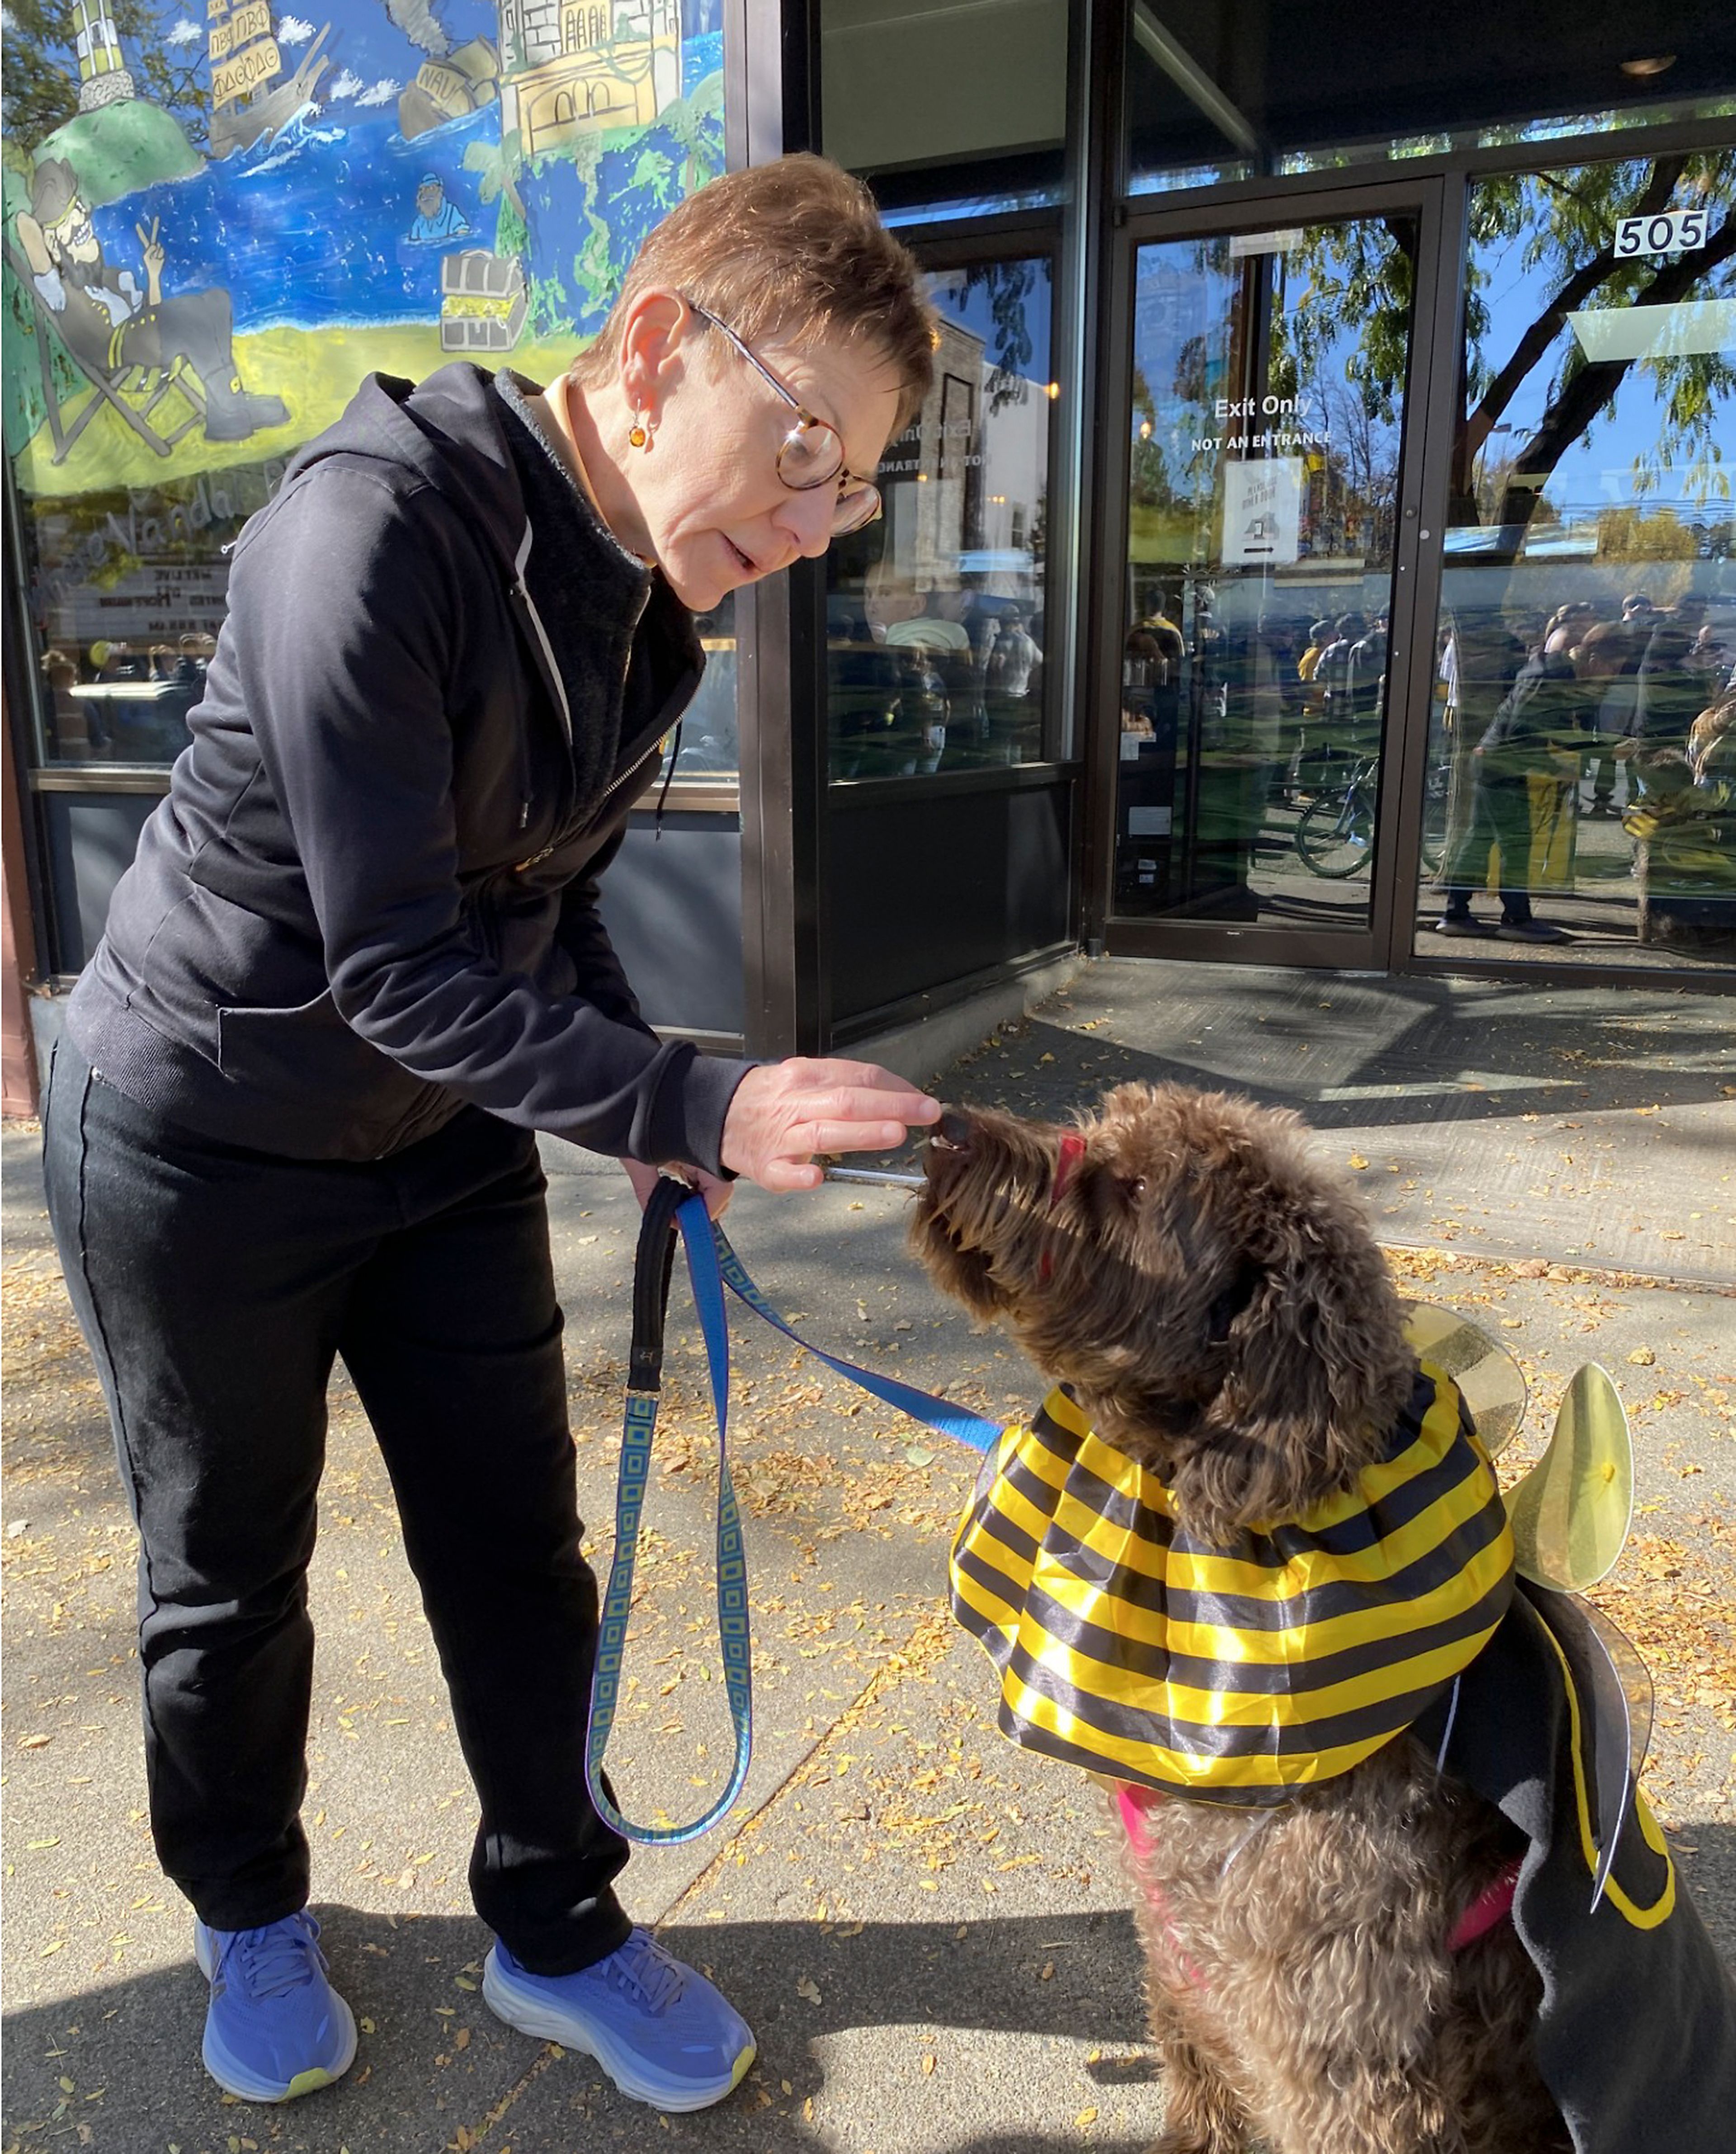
(483, 302)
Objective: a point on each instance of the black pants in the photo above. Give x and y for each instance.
(215, 1286)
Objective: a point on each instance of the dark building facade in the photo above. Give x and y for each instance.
(1316, 549)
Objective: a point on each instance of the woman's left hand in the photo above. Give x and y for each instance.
(716, 1193)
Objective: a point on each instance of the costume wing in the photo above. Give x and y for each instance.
(1614, 1688)
(1490, 1382)
(1571, 1511)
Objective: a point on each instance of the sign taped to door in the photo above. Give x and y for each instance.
(1263, 512)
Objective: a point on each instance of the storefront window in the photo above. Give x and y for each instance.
(935, 615)
(710, 746)
(1269, 373)
(217, 222)
(1585, 720)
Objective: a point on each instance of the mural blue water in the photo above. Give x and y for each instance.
(308, 229)
(311, 229)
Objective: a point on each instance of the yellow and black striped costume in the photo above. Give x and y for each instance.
(1229, 1674)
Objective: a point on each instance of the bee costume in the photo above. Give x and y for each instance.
(1421, 1599)
(1238, 1673)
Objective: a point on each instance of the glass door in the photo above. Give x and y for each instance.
(1584, 692)
(1265, 549)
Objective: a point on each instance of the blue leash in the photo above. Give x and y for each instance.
(712, 1264)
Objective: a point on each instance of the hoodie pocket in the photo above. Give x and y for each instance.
(309, 1052)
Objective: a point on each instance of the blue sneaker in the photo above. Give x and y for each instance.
(662, 2032)
(276, 2029)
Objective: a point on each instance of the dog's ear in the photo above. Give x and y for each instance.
(1319, 1367)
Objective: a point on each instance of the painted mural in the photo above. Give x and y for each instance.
(219, 214)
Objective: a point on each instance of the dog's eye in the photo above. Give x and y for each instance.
(1134, 1188)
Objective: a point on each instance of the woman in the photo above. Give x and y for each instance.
(356, 966)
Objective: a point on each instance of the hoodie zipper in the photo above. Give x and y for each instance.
(551, 674)
(521, 592)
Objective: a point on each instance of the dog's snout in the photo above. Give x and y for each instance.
(953, 1129)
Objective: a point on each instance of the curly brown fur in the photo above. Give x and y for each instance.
(1219, 1307)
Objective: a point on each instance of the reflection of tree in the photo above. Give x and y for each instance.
(40, 90)
(1630, 534)
(1008, 285)
(1568, 223)
(1359, 276)
(1150, 484)
(1361, 465)
(1564, 224)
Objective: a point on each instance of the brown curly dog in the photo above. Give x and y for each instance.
(1220, 1313)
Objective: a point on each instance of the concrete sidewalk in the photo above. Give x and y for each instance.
(927, 1929)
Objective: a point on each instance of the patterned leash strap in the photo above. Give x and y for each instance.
(712, 1265)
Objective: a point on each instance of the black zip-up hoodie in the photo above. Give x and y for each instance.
(369, 895)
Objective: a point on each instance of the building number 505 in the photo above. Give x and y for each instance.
(1669, 231)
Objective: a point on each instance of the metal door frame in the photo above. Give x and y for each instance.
(1425, 445)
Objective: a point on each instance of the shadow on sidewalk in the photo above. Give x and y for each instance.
(130, 2048)
(1575, 1062)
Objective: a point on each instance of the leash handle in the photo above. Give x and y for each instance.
(713, 1264)
(671, 1204)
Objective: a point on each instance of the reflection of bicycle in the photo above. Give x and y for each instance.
(1335, 832)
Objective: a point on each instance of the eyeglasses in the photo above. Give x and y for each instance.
(811, 454)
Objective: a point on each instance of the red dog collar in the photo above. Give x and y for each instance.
(1071, 1152)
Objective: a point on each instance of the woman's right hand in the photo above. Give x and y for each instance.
(783, 1113)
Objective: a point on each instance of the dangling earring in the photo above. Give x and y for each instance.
(639, 434)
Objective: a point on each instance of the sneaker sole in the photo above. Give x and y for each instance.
(233, 2076)
(532, 2014)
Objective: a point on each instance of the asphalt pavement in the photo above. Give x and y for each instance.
(928, 1929)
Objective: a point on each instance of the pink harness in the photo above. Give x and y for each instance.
(1492, 1905)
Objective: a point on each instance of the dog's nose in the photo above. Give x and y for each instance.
(954, 1129)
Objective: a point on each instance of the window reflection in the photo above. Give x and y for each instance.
(127, 591)
(935, 615)
(710, 746)
(1268, 373)
(1586, 654)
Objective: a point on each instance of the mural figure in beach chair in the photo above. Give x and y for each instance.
(110, 327)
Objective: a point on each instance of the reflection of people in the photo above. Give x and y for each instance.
(933, 655)
(436, 217)
(1320, 637)
(107, 322)
(71, 729)
(1673, 678)
(930, 627)
(356, 965)
(1608, 662)
(862, 696)
(1684, 821)
(1011, 684)
(1540, 716)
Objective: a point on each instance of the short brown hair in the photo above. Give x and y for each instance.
(794, 248)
